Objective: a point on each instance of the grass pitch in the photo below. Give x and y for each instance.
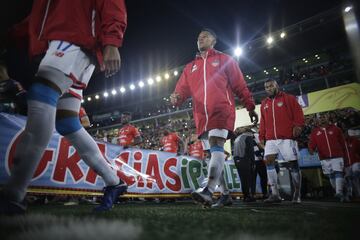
(185, 220)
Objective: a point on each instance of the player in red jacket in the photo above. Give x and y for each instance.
(352, 168)
(329, 142)
(129, 135)
(171, 142)
(67, 32)
(211, 79)
(281, 122)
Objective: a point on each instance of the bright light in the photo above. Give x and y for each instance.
(132, 86)
(283, 35)
(316, 55)
(274, 68)
(97, 96)
(141, 84)
(167, 76)
(82, 101)
(270, 39)
(176, 73)
(158, 78)
(304, 59)
(113, 92)
(238, 51)
(264, 71)
(89, 99)
(150, 81)
(347, 9)
(122, 89)
(106, 94)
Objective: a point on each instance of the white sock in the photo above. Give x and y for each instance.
(273, 178)
(216, 166)
(339, 182)
(296, 177)
(39, 128)
(90, 153)
(223, 185)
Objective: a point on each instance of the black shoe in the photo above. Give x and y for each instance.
(111, 194)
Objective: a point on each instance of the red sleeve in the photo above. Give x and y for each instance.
(238, 84)
(342, 140)
(113, 17)
(312, 143)
(182, 86)
(262, 123)
(297, 112)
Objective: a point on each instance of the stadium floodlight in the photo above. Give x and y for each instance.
(82, 101)
(347, 9)
(167, 76)
(270, 40)
(150, 81)
(282, 34)
(89, 99)
(141, 84)
(238, 51)
(97, 96)
(106, 94)
(158, 78)
(122, 89)
(176, 73)
(113, 92)
(132, 86)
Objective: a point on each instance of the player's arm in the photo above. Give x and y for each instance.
(182, 89)
(312, 144)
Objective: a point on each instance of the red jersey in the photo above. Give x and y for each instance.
(352, 150)
(196, 150)
(279, 116)
(170, 142)
(328, 141)
(127, 134)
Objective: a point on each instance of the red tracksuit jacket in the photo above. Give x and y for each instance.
(211, 83)
(90, 24)
(352, 149)
(279, 116)
(328, 141)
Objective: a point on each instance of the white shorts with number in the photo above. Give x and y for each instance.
(223, 133)
(72, 61)
(332, 165)
(287, 148)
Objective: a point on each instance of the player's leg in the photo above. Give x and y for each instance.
(225, 198)
(50, 82)
(290, 152)
(337, 165)
(217, 138)
(271, 151)
(355, 172)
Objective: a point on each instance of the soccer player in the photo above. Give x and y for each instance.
(329, 142)
(281, 123)
(67, 32)
(129, 135)
(171, 142)
(211, 79)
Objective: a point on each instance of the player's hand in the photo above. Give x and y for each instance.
(174, 98)
(112, 60)
(296, 131)
(253, 117)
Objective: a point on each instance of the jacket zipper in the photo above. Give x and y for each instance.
(44, 19)
(327, 141)
(227, 95)
(205, 96)
(273, 114)
(347, 153)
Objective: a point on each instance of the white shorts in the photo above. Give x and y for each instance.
(72, 61)
(355, 169)
(284, 148)
(223, 133)
(332, 165)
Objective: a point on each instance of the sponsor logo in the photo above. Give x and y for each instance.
(318, 133)
(194, 68)
(215, 63)
(58, 54)
(280, 104)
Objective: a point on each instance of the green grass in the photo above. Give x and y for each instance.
(185, 220)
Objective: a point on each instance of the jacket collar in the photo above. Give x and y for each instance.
(210, 52)
(279, 94)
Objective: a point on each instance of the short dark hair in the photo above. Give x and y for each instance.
(212, 32)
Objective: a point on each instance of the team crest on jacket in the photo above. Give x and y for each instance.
(194, 68)
(215, 63)
(318, 133)
(280, 104)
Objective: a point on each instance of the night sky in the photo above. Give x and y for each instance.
(162, 34)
